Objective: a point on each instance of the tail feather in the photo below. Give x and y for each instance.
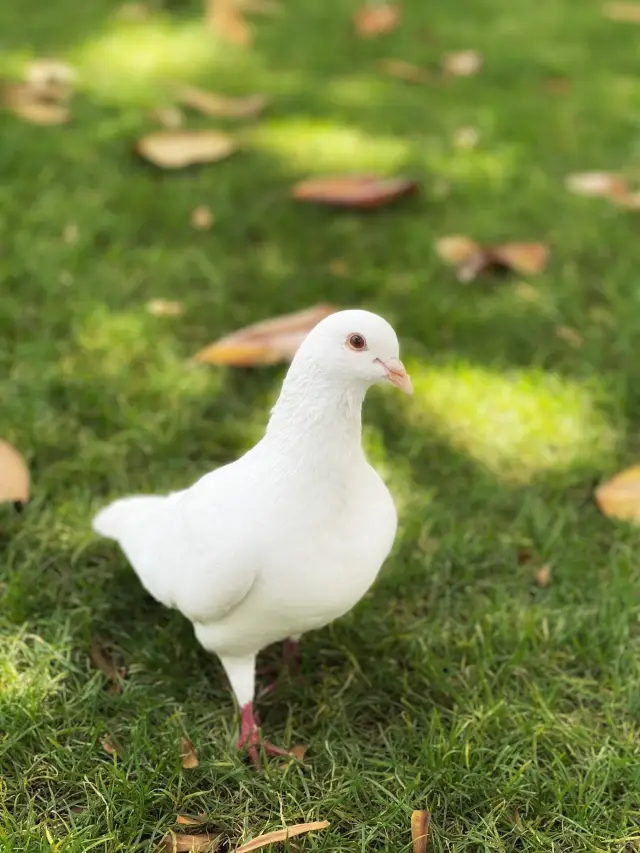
(122, 515)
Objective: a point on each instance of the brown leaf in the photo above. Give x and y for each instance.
(188, 754)
(191, 820)
(465, 63)
(202, 218)
(596, 184)
(524, 555)
(570, 335)
(402, 70)
(268, 342)
(164, 308)
(176, 843)
(108, 746)
(471, 259)
(169, 117)
(225, 18)
(103, 661)
(542, 576)
(298, 751)
(175, 149)
(619, 497)
(52, 78)
(221, 106)
(281, 835)
(420, 822)
(14, 475)
(28, 102)
(374, 19)
(628, 13)
(355, 191)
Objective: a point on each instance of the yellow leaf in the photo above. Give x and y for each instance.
(225, 18)
(175, 149)
(542, 576)
(27, 102)
(281, 835)
(14, 475)
(164, 308)
(188, 754)
(628, 13)
(465, 63)
(620, 496)
(221, 106)
(269, 342)
(374, 19)
(201, 217)
(420, 822)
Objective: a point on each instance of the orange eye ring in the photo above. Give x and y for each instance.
(357, 342)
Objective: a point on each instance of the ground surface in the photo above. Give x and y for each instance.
(510, 711)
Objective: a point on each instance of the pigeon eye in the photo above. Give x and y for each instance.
(356, 342)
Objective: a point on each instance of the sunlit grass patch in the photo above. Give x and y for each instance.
(516, 423)
(30, 671)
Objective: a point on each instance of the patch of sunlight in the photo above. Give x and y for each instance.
(135, 347)
(485, 166)
(316, 146)
(27, 671)
(516, 423)
(137, 61)
(358, 90)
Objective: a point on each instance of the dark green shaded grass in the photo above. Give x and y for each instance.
(509, 711)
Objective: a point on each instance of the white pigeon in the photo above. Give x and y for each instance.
(291, 535)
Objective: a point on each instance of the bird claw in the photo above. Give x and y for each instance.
(251, 738)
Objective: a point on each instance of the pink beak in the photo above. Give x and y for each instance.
(397, 375)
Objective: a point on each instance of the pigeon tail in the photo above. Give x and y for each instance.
(118, 517)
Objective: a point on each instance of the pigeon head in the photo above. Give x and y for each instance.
(356, 346)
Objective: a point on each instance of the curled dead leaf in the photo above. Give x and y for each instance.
(202, 218)
(176, 149)
(374, 19)
(103, 660)
(164, 308)
(281, 835)
(542, 576)
(420, 823)
(628, 13)
(269, 342)
(191, 820)
(14, 475)
(108, 746)
(29, 104)
(221, 106)
(354, 191)
(402, 70)
(178, 843)
(225, 19)
(52, 78)
(188, 754)
(596, 184)
(619, 497)
(471, 259)
(464, 63)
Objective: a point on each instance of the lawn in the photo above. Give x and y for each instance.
(510, 711)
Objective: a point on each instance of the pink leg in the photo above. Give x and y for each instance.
(251, 738)
(290, 661)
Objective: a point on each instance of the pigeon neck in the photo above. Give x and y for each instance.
(315, 409)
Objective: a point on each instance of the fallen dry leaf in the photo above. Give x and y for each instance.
(269, 342)
(420, 822)
(103, 660)
(30, 104)
(221, 106)
(14, 475)
(628, 13)
(356, 191)
(542, 576)
(402, 70)
(188, 755)
(176, 843)
(201, 217)
(108, 746)
(53, 78)
(281, 835)
(175, 149)
(524, 555)
(164, 308)
(471, 259)
(619, 497)
(374, 19)
(465, 138)
(465, 63)
(570, 335)
(298, 752)
(169, 117)
(191, 820)
(596, 184)
(225, 18)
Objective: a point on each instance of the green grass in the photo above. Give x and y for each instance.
(511, 712)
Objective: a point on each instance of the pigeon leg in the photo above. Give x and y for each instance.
(251, 738)
(290, 660)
